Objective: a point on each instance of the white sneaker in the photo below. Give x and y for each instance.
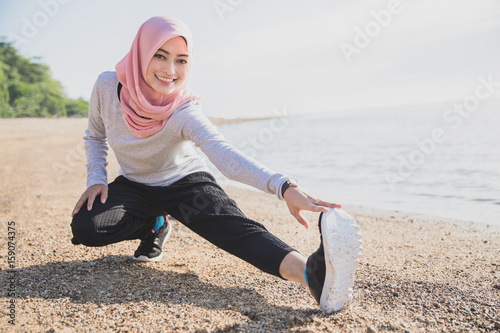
(331, 280)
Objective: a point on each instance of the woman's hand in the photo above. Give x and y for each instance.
(298, 200)
(90, 194)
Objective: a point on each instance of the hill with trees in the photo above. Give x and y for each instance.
(28, 90)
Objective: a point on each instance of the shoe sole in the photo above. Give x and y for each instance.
(146, 259)
(342, 245)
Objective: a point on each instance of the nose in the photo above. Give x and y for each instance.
(169, 68)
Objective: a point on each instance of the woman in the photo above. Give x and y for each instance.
(149, 116)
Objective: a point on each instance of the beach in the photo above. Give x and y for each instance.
(416, 274)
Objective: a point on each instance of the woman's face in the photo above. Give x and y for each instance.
(168, 69)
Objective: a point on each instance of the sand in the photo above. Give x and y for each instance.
(417, 274)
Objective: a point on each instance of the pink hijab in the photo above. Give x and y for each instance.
(144, 110)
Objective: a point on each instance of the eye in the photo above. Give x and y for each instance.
(159, 56)
(182, 61)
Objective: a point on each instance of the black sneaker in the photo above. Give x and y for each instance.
(151, 248)
(331, 280)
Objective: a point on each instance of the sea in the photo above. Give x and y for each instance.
(438, 160)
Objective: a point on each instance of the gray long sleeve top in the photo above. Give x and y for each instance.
(167, 156)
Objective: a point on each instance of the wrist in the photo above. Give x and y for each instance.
(290, 182)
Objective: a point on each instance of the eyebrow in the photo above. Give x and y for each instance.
(179, 55)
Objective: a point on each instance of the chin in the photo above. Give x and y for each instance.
(167, 91)
(164, 91)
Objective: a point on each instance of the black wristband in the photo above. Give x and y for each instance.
(289, 182)
(285, 187)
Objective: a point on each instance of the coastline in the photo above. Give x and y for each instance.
(416, 273)
(227, 121)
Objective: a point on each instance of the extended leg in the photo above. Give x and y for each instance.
(200, 204)
(292, 268)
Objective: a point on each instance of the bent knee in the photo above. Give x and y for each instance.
(84, 230)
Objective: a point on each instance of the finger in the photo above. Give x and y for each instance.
(78, 205)
(301, 220)
(317, 208)
(90, 202)
(104, 195)
(332, 205)
(329, 204)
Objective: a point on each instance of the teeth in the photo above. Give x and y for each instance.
(161, 78)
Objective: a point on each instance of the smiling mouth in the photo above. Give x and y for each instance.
(164, 79)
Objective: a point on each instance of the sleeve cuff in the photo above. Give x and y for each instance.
(276, 184)
(95, 182)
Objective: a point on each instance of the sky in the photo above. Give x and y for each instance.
(252, 57)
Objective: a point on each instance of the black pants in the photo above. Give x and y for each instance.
(196, 201)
